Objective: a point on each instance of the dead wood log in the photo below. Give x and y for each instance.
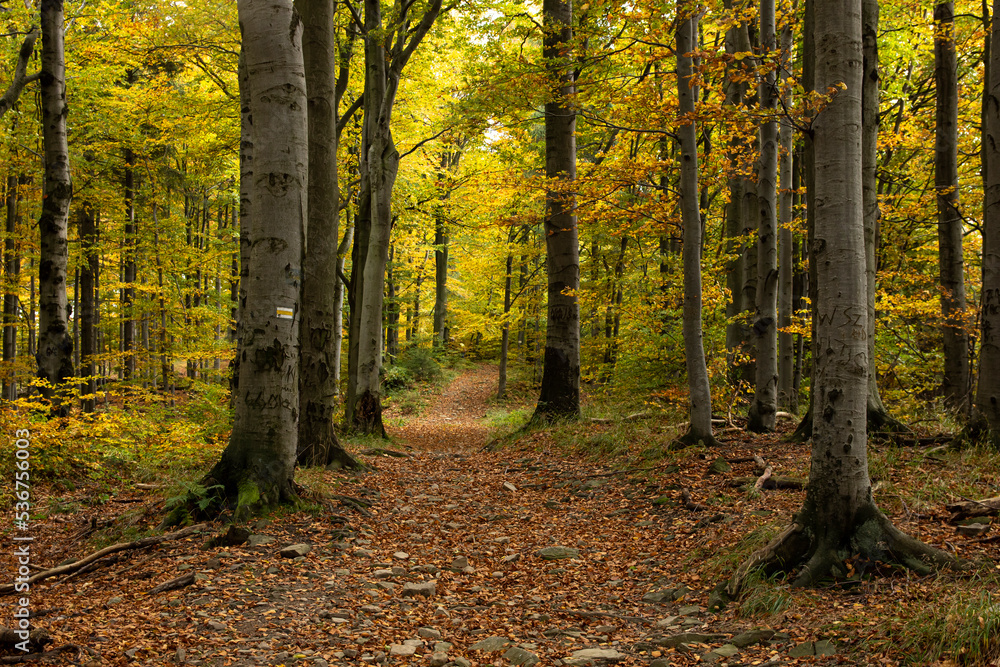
(773, 482)
(144, 543)
(973, 508)
(173, 584)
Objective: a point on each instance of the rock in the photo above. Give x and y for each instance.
(518, 656)
(510, 487)
(215, 625)
(425, 588)
(402, 649)
(726, 650)
(401, 555)
(825, 647)
(429, 633)
(114, 600)
(667, 622)
(462, 662)
(491, 644)
(660, 662)
(973, 529)
(382, 574)
(513, 558)
(295, 550)
(662, 500)
(587, 655)
(558, 553)
(442, 647)
(745, 639)
(259, 540)
(459, 564)
(551, 504)
(718, 598)
(719, 466)
(686, 638)
(438, 659)
(660, 596)
(802, 650)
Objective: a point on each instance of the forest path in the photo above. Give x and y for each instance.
(450, 556)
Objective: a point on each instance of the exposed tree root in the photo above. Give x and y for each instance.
(691, 439)
(822, 552)
(879, 422)
(114, 548)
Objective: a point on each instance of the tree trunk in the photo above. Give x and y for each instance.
(700, 396)
(128, 270)
(338, 299)
(257, 466)
(11, 298)
(955, 385)
(385, 57)
(737, 41)
(317, 440)
(560, 393)
(88, 303)
(246, 185)
(765, 333)
(985, 421)
(786, 263)
(505, 330)
(440, 281)
(55, 348)
(839, 518)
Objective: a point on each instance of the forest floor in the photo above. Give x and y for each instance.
(449, 556)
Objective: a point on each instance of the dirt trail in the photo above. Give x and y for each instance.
(453, 421)
(451, 556)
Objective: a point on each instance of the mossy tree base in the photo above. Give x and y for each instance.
(820, 551)
(695, 439)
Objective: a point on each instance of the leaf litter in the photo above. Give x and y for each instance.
(460, 556)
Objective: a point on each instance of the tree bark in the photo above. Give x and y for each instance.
(338, 299)
(317, 441)
(11, 298)
(985, 422)
(765, 326)
(700, 396)
(55, 348)
(88, 311)
(385, 58)
(787, 399)
(256, 468)
(560, 392)
(839, 518)
(955, 385)
(128, 268)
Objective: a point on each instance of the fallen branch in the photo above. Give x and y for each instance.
(37, 639)
(691, 504)
(173, 584)
(69, 568)
(381, 451)
(356, 504)
(973, 508)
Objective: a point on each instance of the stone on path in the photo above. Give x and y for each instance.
(588, 655)
(401, 555)
(518, 656)
(295, 550)
(558, 553)
(402, 649)
(259, 540)
(429, 633)
(491, 644)
(425, 588)
(510, 487)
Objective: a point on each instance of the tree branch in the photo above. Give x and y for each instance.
(21, 77)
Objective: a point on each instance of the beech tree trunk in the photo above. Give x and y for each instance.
(338, 300)
(839, 518)
(128, 269)
(12, 275)
(786, 262)
(318, 357)
(700, 396)
(257, 466)
(88, 302)
(985, 420)
(560, 393)
(55, 347)
(955, 385)
(765, 324)
(385, 58)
